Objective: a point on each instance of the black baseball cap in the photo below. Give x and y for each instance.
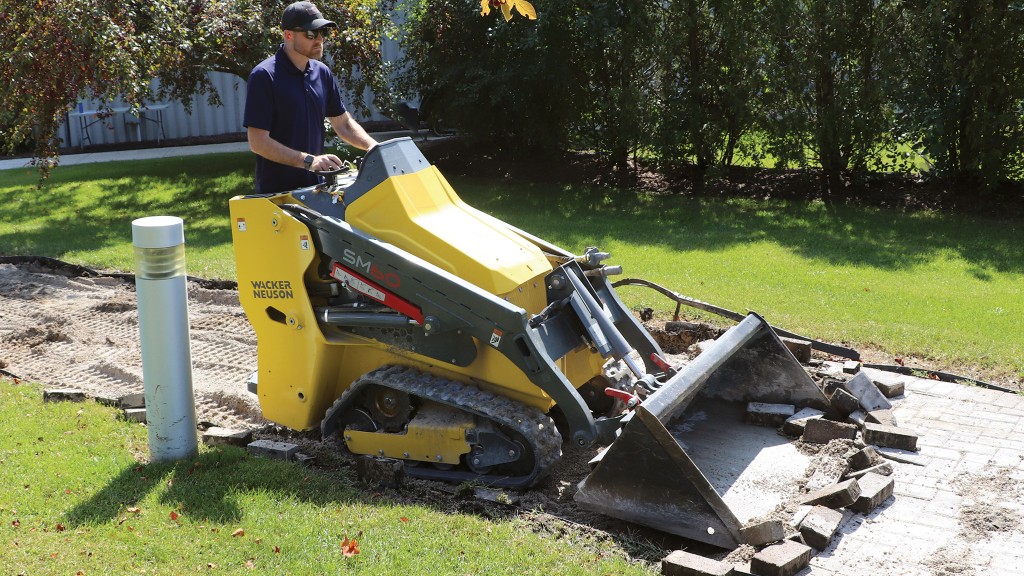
(304, 16)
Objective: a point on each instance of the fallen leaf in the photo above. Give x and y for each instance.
(238, 533)
(16, 523)
(211, 565)
(349, 548)
(899, 361)
(404, 519)
(277, 549)
(250, 564)
(60, 527)
(174, 515)
(134, 510)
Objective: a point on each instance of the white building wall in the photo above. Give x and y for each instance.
(204, 119)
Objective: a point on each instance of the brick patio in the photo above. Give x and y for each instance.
(960, 509)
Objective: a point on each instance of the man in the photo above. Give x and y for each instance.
(287, 99)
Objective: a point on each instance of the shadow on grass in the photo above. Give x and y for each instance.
(69, 213)
(91, 207)
(832, 234)
(206, 487)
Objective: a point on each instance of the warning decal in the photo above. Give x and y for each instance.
(241, 224)
(368, 288)
(496, 338)
(359, 285)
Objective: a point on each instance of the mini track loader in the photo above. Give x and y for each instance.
(391, 315)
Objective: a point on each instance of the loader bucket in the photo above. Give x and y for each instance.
(686, 463)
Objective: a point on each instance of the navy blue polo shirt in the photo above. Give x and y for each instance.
(292, 105)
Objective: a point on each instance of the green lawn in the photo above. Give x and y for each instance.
(943, 288)
(84, 213)
(76, 500)
(946, 288)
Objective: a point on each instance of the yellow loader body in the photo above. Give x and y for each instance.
(404, 323)
(302, 371)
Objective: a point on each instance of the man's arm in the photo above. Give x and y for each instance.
(352, 132)
(261, 143)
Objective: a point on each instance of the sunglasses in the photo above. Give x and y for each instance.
(312, 34)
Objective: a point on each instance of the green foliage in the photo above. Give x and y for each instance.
(480, 75)
(709, 79)
(828, 66)
(59, 51)
(618, 62)
(579, 76)
(962, 98)
(866, 85)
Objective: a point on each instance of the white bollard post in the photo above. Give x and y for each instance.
(162, 294)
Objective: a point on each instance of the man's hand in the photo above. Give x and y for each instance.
(326, 162)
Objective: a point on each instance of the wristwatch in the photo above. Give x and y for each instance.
(308, 161)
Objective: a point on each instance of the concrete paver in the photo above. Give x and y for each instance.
(961, 512)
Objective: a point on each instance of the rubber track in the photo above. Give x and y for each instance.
(536, 427)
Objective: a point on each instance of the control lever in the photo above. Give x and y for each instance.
(331, 176)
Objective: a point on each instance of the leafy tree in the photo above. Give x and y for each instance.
(479, 74)
(827, 65)
(621, 62)
(59, 51)
(577, 77)
(963, 96)
(710, 78)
